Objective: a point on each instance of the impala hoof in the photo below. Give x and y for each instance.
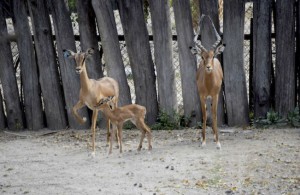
(218, 145)
(84, 119)
(203, 144)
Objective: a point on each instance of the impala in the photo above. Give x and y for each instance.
(133, 112)
(92, 91)
(209, 79)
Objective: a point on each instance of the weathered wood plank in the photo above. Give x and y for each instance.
(8, 80)
(298, 51)
(2, 115)
(184, 28)
(88, 37)
(70, 80)
(262, 55)
(111, 47)
(285, 57)
(208, 38)
(162, 35)
(29, 71)
(233, 63)
(138, 47)
(48, 69)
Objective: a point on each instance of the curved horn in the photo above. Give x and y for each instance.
(216, 33)
(197, 35)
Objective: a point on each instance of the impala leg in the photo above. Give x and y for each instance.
(108, 131)
(111, 139)
(94, 120)
(77, 106)
(215, 120)
(204, 117)
(120, 135)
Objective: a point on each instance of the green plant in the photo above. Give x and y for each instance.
(294, 117)
(167, 121)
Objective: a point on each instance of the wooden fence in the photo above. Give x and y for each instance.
(49, 87)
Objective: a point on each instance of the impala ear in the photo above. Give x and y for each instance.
(220, 49)
(89, 52)
(111, 97)
(68, 53)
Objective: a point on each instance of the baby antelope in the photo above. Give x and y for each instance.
(133, 112)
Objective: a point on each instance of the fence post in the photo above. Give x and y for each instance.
(70, 80)
(29, 71)
(233, 62)
(162, 37)
(262, 50)
(187, 62)
(2, 116)
(8, 79)
(138, 47)
(285, 57)
(298, 50)
(46, 58)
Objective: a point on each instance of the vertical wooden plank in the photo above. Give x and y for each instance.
(48, 69)
(208, 38)
(88, 37)
(29, 71)
(111, 47)
(2, 116)
(262, 57)
(8, 79)
(285, 57)
(138, 47)
(162, 37)
(70, 80)
(184, 28)
(233, 63)
(298, 51)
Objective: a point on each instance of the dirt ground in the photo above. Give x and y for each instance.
(252, 161)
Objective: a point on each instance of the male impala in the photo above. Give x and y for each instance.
(133, 112)
(209, 79)
(92, 91)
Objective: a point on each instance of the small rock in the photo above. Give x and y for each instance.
(140, 185)
(229, 192)
(172, 168)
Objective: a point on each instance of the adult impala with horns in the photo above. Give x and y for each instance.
(209, 78)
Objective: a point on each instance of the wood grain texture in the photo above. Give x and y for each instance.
(29, 70)
(138, 47)
(233, 63)
(262, 54)
(162, 37)
(187, 61)
(285, 57)
(48, 68)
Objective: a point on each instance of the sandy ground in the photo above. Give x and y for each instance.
(252, 161)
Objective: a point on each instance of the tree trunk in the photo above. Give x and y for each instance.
(184, 28)
(262, 57)
(70, 80)
(112, 53)
(233, 62)
(285, 57)
(162, 37)
(208, 38)
(8, 80)
(138, 47)
(88, 37)
(29, 71)
(48, 69)
(2, 116)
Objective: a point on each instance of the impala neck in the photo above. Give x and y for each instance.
(84, 79)
(109, 113)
